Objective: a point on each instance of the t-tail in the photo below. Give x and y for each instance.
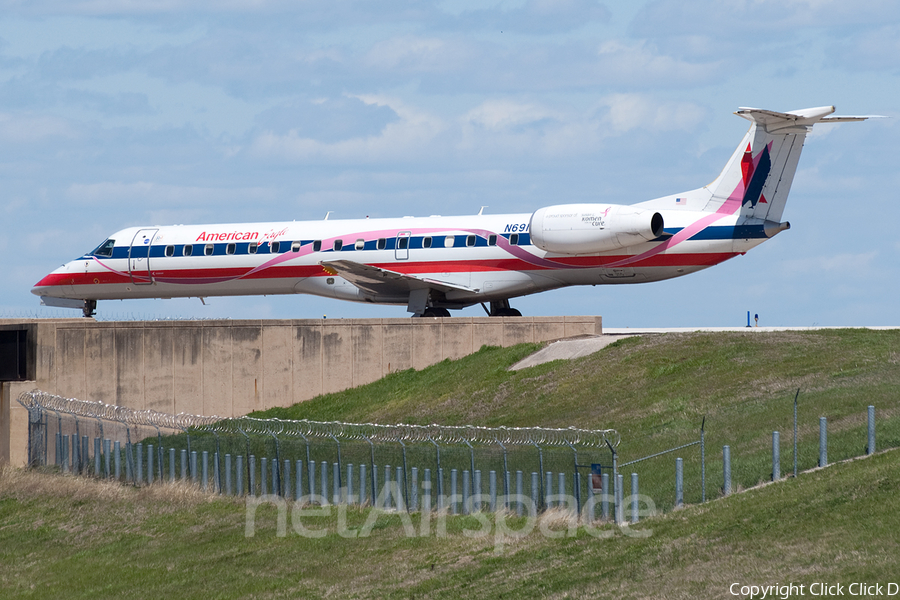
(758, 177)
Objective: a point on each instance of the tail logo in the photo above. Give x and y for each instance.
(755, 176)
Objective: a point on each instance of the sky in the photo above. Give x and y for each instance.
(115, 113)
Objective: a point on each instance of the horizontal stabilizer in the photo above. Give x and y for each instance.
(796, 121)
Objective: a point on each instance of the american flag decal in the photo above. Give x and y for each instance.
(680, 200)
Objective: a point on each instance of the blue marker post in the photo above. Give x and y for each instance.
(748, 318)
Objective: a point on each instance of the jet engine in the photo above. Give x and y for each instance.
(591, 228)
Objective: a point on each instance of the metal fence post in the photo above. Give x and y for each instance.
(400, 500)
(194, 474)
(171, 465)
(251, 477)
(107, 443)
(336, 482)
(184, 473)
(620, 508)
(97, 453)
(228, 474)
(604, 496)
(263, 482)
(535, 488)
(519, 494)
(492, 490)
(426, 491)
(149, 463)
(870, 447)
(726, 470)
(414, 489)
(548, 487)
(205, 483)
(776, 456)
(679, 482)
(634, 498)
(323, 480)
(350, 484)
(140, 464)
(362, 483)
(823, 442)
(287, 478)
(298, 477)
(239, 475)
(117, 459)
(453, 496)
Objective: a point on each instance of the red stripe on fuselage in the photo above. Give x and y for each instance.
(221, 275)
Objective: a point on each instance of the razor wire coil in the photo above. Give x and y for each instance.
(304, 428)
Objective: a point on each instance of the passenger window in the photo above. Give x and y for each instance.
(276, 246)
(360, 244)
(209, 249)
(338, 244)
(295, 247)
(470, 241)
(252, 248)
(382, 244)
(170, 250)
(492, 239)
(514, 239)
(188, 250)
(230, 248)
(403, 243)
(448, 241)
(426, 241)
(105, 249)
(317, 246)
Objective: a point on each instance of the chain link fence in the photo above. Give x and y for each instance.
(462, 468)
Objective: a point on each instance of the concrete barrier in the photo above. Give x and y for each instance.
(231, 368)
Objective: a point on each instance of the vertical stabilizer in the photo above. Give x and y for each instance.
(758, 177)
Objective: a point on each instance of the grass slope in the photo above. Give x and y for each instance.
(655, 391)
(76, 538)
(65, 537)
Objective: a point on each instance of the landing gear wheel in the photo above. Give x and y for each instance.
(435, 311)
(90, 307)
(501, 308)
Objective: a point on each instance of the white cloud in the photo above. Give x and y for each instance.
(30, 128)
(635, 111)
(407, 138)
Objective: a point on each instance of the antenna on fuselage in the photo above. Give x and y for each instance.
(480, 212)
(326, 215)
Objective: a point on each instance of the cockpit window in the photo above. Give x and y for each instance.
(105, 249)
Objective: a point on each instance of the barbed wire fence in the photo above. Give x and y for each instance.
(336, 462)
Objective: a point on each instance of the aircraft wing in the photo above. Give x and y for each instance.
(376, 280)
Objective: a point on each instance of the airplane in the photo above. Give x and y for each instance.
(437, 264)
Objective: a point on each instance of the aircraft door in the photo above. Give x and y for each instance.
(139, 257)
(401, 250)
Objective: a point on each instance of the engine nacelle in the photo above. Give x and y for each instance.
(590, 228)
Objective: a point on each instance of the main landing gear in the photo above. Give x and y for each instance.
(436, 311)
(89, 308)
(501, 308)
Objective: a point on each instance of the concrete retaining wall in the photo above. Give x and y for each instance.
(230, 368)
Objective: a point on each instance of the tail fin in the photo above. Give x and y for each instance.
(759, 174)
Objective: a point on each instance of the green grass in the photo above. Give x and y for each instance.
(655, 391)
(76, 538)
(61, 537)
